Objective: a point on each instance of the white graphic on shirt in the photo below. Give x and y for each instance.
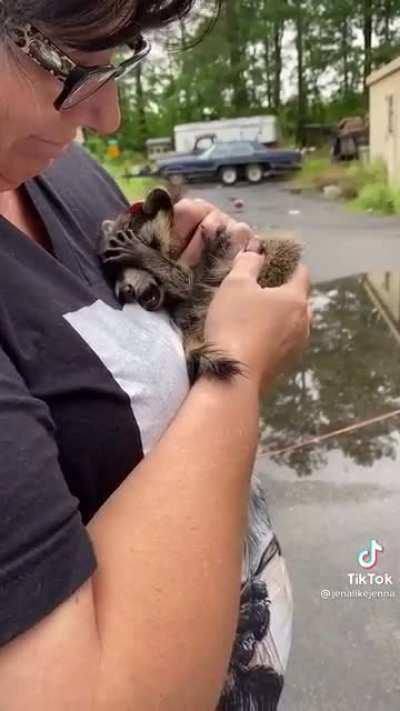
(143, 351)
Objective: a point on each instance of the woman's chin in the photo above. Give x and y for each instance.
(31, 168)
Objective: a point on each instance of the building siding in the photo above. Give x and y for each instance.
(385, 118)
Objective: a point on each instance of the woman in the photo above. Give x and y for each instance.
(119, 572)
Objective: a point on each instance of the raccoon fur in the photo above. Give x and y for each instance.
(139, 254)
(140, 257)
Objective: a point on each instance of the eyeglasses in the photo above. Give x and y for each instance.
(79, 81)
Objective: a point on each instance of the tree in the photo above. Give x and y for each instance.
(242, 67)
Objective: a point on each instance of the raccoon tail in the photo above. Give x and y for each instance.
(205, 360)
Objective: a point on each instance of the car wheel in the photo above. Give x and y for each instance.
(228, 175)
(176, 179)
(254, 173)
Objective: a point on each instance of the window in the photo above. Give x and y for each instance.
(243, 149)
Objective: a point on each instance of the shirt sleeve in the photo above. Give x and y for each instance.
(45, 550)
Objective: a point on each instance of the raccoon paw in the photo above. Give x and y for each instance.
(212, 364)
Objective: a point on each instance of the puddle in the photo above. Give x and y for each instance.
(349, 377)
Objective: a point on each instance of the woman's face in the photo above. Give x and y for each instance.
(32, 133)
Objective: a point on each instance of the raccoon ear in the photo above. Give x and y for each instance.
(157, 200)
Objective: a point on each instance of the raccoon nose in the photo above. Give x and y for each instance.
(127, 294)
(151, 298)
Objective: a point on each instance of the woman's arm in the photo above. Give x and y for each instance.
(169, 543)
(154, 627)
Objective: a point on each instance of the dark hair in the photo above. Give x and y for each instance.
(94, 25)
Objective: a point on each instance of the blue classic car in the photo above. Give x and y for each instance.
(230, 161)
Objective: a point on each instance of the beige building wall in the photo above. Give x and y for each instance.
(384, 87)
(384, 290)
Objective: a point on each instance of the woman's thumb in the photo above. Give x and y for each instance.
(247, 264)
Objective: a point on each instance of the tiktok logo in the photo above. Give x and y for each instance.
(368, 557)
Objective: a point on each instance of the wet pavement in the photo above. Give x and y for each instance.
(330, 454)
(329, 498)
(338, 241)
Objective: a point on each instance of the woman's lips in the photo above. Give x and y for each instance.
(50, 147)
(56, 144)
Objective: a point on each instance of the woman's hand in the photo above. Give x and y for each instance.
(262, 328)
(196, 220)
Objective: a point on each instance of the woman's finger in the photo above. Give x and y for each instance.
(247, 264)
(188, 215)
(241, 235)
(207, 229)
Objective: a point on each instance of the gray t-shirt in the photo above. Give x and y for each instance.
(86, 388)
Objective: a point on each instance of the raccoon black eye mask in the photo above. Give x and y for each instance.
(138, 253)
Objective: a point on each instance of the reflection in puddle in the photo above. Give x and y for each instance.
(349, 375)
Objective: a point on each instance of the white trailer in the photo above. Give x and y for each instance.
(253, 128)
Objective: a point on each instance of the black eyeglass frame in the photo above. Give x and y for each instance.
(49, 56)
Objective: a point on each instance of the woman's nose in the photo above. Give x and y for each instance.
(100, 112)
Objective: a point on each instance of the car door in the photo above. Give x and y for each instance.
(206, 165)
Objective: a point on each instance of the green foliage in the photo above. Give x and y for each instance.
(303, 60)
(96, 144)
(376, 197)
(318, 172)
(313, 173)
(380, 198)
(363, 174)
(134, 188)
(396, 199)
(365, 184)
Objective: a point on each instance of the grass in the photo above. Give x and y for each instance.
(134, 188)
(364, 184)
(379, 198)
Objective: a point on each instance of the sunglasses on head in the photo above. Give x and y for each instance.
(80, 82)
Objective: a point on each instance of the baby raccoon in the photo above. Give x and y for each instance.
(139, 254)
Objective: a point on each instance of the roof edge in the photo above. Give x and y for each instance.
(384, 71)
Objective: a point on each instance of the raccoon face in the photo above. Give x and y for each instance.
(136, 251)
(137, 285)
